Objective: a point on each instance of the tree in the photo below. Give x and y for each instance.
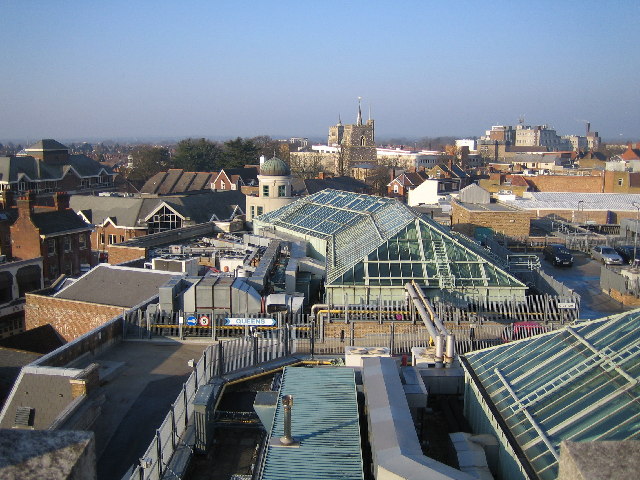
(240, 152)
(147, 161)
(198, 155)
(307, 164)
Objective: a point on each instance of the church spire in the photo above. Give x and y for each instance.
(359, 120)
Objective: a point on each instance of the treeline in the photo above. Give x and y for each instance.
(202, 155)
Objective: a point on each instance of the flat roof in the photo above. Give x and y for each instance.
(118, 286)
(326, 423)
(622, 202)
(489, 207)
(580, 383)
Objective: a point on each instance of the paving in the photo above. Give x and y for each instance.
(584, 278)
(144, 378)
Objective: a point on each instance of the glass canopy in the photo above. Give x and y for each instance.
(579, 384)
(380, 241)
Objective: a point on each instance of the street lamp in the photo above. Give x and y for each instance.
(635, 241)
(580, 202)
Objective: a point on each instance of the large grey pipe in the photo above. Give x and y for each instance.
(421, 310)
(431, 311)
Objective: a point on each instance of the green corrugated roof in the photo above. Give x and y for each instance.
(580, 383)
(324, 421)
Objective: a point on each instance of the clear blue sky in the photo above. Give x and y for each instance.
(96, 68)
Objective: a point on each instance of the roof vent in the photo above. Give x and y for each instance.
(24, 417)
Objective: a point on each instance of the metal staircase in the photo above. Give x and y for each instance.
(445, 278)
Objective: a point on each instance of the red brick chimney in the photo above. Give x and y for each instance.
(61, 201)
(321, 175)
(25, 204)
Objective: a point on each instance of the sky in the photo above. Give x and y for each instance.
(95, 69)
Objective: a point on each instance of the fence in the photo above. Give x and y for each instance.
(613, 280)
(216, 360)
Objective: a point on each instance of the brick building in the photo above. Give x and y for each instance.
(103, 293)
(474, 219)
(56, 234)
(177, 181)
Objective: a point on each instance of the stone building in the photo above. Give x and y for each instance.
(356, 142)
(274, 188)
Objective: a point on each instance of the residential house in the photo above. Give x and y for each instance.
(56, 234)
(403, 183)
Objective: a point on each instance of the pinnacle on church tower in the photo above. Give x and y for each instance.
(359, 120)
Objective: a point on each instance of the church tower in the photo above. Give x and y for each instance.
(357, 143)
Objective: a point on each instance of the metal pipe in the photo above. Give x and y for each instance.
(421, 311)
(434, 316)
(439, 356)
(287, 403)
(450, 348)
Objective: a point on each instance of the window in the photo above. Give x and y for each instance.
(395, 188)
(223, 186)
(282, 190)
(51, 246)
(253, 211)
(67, 244)
(102, 239)
(53, 272)
(82, 241)
(260, 210)
(113, 239)
(265, 190)
(68, 268)
(363, 141)
(163, 220)
(121, 238)
(620, 182)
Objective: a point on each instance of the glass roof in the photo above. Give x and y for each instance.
(579, 384)
(380, 241)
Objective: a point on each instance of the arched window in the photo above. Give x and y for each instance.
(363, 141)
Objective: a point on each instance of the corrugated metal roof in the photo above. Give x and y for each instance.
(324, 421)
(570, 201)
(580, 383)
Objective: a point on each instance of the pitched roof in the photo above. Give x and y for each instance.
(13, 168)
(52, 221)
(47, 144)
(630, 154)
(309, 186)
(118, 286)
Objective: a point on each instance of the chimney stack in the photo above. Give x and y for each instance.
(61, 201)
(26, 204)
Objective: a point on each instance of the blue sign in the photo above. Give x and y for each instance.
(250, 322)
(192, 321)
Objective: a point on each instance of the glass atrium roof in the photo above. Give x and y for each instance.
(579, 384)
(380, 241)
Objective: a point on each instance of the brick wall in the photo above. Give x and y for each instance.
(511, 223)
(567, 183)
(69, 318)
(121, 254)
(110, 229)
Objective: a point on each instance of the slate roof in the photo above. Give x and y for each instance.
(176, 180)
(53, 221)
(133, 211)
(39, 340)
(117, 286)
(310, 186)
(47, 144)
(12, 169)
(11, 361)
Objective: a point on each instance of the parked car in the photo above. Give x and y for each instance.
(520, 330)
(607, 255)
(626, 252)
(558, 255)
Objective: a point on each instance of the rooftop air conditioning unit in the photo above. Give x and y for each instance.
(353, 356)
